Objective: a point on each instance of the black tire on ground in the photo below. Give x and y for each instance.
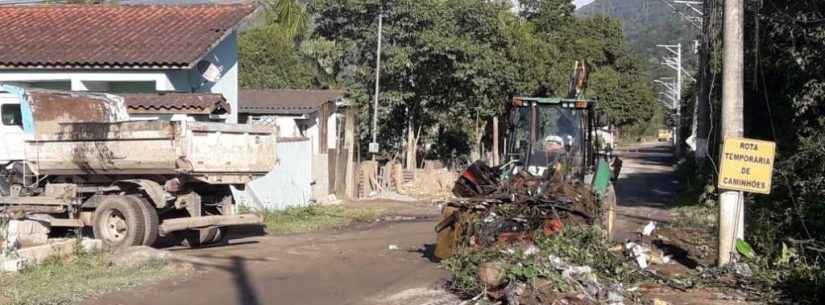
(608, 217)
(119, 222)
(196, 238)
(150, 216)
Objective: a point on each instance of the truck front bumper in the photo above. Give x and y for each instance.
(178, 224)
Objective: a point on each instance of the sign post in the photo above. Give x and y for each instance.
(747, 166)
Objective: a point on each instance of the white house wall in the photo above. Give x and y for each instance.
(186, 80)
(77, 78)
(225, 56)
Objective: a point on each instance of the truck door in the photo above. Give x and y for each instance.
(11, 129)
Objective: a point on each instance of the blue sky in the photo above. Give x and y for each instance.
(580, 3)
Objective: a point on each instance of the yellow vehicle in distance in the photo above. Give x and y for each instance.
(664, 135)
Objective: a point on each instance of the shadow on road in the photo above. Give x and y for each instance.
(647, 179)
(428, 251)
(246, 293)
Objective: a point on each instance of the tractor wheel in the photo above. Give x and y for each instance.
(608, 217)
(119, 223)
(150, 216)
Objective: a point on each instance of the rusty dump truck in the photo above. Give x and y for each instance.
(76, 160)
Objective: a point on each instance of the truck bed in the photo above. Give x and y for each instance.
(205, 149)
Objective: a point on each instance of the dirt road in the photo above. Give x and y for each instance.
(353, 266)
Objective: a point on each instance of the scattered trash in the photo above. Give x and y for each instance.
(398, 218)
(391, 196)
(657, 301)
(392, 247)
(513, 292)
(648, 229)
(742, 269)
(531, 250)
(638, 252)
(330, 200)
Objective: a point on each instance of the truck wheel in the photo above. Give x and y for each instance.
(608, 217)
(119, 222)
(201, 237)
(150, 217)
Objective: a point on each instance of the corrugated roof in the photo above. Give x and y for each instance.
(174, 102)
(113, 36)
(267, 101)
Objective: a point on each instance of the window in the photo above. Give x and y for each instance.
(11, 115)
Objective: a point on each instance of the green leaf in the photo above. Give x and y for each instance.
(744, 249)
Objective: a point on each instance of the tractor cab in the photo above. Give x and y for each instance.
(556, 137)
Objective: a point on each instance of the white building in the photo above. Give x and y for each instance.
(124, 49)
(309, 144)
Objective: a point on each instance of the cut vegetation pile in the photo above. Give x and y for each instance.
(573, 265)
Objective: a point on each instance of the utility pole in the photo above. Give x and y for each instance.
(731, 203)
(675, 63)
(373, 148)
(703, 102)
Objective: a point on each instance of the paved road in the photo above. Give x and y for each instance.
(353, 266)
(645, 187)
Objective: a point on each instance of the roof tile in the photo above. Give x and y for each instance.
(284, 101)
(113, 36)
(175, 102)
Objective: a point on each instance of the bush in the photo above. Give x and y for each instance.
(788, 227)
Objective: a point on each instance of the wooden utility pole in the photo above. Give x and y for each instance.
(731, 203)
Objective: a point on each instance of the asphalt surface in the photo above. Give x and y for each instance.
(645, 188)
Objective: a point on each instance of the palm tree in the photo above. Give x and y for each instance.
(290, 14)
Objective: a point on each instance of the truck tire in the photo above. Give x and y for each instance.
(608, 217)
(119, 222)
(150, 217)
(201, 237)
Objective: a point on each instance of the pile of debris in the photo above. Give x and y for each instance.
(490, 213)
(568, 267)
(430, 182)
(393, 180)
(25, 242)
(529, 240)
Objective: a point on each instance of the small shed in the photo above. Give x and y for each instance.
(297, 113)
(311, 131)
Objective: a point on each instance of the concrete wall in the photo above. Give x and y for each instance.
(288, 185)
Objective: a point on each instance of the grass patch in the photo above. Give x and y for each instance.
(69, 279)
(315, 218)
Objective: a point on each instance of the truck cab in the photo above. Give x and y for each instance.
(11, 128)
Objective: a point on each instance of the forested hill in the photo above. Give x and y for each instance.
(647, 23)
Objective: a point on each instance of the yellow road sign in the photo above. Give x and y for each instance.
(747, 165)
